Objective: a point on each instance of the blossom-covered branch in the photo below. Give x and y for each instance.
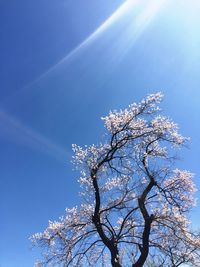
(135, 205)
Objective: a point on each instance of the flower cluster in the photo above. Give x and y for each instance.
(128, 187)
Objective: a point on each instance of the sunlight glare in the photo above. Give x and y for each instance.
(139, 13)
(102, 28)
(140, 22)
(137, 25)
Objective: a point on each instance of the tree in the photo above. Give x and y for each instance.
(135, 205)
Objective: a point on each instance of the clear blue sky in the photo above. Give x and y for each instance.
(66, 63)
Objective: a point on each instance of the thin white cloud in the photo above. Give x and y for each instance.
(15, 131)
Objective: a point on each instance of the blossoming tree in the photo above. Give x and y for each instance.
(135, 205)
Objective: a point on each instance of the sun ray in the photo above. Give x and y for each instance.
(141, 21)
(92, 37)
(105, 25)
(137, 24)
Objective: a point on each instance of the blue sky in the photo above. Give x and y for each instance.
(66, 63)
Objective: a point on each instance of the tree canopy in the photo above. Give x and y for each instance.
(135, 202)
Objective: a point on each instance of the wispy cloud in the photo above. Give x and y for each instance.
(16, 131)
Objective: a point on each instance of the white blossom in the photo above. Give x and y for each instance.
(128, 185)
